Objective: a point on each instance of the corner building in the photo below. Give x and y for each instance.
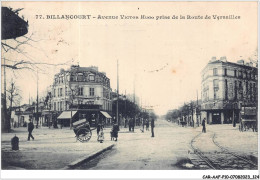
(82, 92)
(226, 87)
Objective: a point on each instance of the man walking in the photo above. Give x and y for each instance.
(152, 126)
(204, 125)
(133, 124)
(125, 120)
(147, 124)
(30, 129)
(143, 122)
(130, 124)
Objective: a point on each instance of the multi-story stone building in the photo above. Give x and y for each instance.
(81, 92)
(226, 87)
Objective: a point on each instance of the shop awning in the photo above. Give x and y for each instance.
(66, 114)
(105, 114)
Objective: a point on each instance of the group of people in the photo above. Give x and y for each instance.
(146, 123)
(113, 132)
(100, 133)
(115, 129)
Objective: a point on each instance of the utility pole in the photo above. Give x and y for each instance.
(134, 101)
(50, 111)
(192, 114)
(125, 103)
(5, 123)
(134, 88)
(19, 115)
(37, 105)
(197, 109)
(117, 120)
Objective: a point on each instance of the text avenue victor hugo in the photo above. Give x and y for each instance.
(141, 17)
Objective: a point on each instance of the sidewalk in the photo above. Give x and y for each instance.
(52, 149)
(236, 141)
(229, 137)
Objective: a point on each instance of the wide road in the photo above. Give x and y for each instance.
(134, 151)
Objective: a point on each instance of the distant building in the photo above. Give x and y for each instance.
(226, 87)
(82, 92)
(21, 114)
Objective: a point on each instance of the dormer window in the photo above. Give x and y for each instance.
(73, 77)
(80, 77)
(91, 77)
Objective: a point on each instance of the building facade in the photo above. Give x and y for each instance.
(83, 90)
(226, 87)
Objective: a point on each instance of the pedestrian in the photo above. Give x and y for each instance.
(15, 124)
(147, 124)
(143, 122)
(125, 120)
(99, 127)
(204, 125)
(234, 123)
(130, 124)
(30, 129)
(101, 135)
(133, 124)
(152, 127)
(114, 132)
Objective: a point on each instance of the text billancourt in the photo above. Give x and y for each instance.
(217, 17)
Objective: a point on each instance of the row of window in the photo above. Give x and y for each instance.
(60, 90)
(80, 77)
(59, 106)
(237, 73)
(62, 105)
(235, 91)
(79, 91)
(248, 91)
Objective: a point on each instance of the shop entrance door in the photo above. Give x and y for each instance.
(216, 119)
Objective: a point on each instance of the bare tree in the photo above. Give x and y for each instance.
(13, 96)
(13, 55)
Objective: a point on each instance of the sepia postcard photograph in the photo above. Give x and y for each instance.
(127, 89)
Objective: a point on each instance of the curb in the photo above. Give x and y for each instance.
(88, 158)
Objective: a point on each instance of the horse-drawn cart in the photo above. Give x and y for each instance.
(247, 124)
(82, 130)
(248, 119)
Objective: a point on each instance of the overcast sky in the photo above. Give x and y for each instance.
(178, 49)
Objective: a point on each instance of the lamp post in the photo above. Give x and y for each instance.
(117, 120)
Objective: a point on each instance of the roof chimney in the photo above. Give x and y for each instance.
(213, 59)
(241, 62)
(94, 68)
(224, 59)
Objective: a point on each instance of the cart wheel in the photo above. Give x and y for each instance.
(84, 135)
